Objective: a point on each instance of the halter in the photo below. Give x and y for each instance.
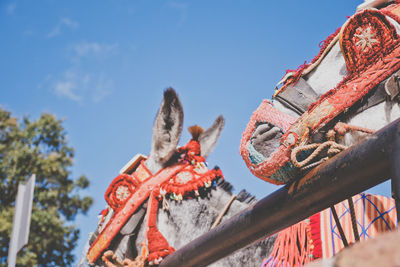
(129, 190)
(371, 48)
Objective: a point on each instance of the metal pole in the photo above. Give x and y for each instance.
(352, 171)
(22, 220)
(395, 174)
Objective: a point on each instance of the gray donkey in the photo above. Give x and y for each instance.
(185, 217)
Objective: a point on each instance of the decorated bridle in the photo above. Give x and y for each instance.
(188, 178)
(371, 48)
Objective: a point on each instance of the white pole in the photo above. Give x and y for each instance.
(22, 219)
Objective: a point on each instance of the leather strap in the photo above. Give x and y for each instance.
(298, 97)
(378, 96)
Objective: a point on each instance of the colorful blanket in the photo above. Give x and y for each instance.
(318, 236)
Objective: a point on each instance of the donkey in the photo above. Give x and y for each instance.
(329, 70)
(349, 90)
(190, 213)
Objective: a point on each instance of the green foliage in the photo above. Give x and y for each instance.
(40, 147)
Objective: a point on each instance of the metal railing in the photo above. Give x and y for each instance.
(354, 170)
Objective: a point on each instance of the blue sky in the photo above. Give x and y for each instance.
(103, 65)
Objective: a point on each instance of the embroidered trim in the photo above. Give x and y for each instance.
(266, 113)
(355, 86)
(189, 180)
(142, 173)
(391, 11)
(131, 205)
(126, 193)
(366, 38)
(119, 191)
(369, 63)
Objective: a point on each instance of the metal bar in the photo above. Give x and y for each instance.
(350, 172)
(339, 226)
(395, 175)
(353, 219)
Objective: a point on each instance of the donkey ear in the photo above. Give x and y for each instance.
(209, 138)
(167, 127)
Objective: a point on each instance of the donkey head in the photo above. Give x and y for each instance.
(167, 130)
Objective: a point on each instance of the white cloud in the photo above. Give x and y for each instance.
(84, 80)
(93, 48)
(63, 23)
(11, 8)
(78, 86)
(66, 88)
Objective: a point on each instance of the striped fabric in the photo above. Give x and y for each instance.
(319, 237)
(374, 214)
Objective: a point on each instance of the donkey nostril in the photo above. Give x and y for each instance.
(265, 139)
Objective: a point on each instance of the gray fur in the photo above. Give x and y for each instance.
(209, 138)
(188, 219)
(167, 131)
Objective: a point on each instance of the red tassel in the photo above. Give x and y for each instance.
(156, 242)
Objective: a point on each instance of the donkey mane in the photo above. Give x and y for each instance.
(243, 196)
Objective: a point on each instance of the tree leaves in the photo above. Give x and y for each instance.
(40, 147)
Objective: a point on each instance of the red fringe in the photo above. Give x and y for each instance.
(290, 248)
(192, 185)
(323, 45)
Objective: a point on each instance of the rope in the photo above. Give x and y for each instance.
(223, 212)
(333, 149)
(109, 256)
(342, 128)
(314, 164)
(165, 205)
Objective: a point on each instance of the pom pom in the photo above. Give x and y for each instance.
(195, 131)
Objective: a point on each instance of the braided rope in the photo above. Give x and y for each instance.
(314, 164)
(333, 149)
(342, 128)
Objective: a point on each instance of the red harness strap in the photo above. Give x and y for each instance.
(371, 49)
(156, 243)
(371, 57)
(131, 205)
(127, 192)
